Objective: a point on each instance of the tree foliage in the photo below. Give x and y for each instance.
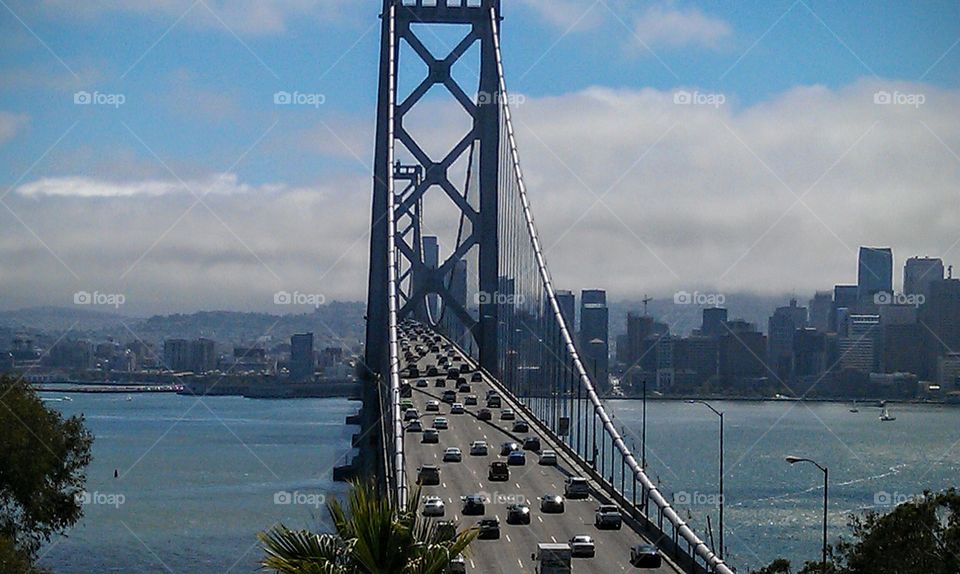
(918, 537)
(43, 458)
(372, 536)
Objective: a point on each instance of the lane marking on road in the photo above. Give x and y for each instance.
(554, 538)
(519, 562)
(508, 538)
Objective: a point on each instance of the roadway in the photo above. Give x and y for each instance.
(512, 552)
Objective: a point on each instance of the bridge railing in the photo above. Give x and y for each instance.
(540, 363)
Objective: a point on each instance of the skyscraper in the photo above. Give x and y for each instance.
(713, 321)
(940, 317)
(302, 362)
(858, 347)
(820, 307)
(781, 329)
(568, 307)
(919, 273)
(594, 335)
(844, 297)
(874, 272)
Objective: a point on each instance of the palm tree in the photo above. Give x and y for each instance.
(373, 535)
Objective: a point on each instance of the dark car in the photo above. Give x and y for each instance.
(421, 383)
(518, 514)
(464, 388)
(432, 372)
(498, 471)
(489, 528)
(484, 415)
(440, 383)
(531, 443)
(551, 503)
(449, 396)
(521, 426)
(473, 504)
(517, 458)
(406, 391)
(608, 516)
(508, 447)
(645, 556)
(428, 475)
(476, 377)
(493, 402)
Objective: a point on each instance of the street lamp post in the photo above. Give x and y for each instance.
(719, 414)
(826, 475)
(643, 429)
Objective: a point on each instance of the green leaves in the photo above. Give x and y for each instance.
(372, 536)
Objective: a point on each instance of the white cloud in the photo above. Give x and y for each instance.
(573, 15)
(695, 196)
(675, 28)
(11, 124)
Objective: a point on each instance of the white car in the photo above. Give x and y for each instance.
(440, 423)
(582, 547)
(507, 415)
(548, 458)
(456, 409)
(433, 506)
(433, 406)
(478, 448)
(452, 454)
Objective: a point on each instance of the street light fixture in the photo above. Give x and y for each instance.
(826, 475)
(719, 414)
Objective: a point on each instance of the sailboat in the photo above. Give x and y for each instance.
(886, 416)
(854, 408)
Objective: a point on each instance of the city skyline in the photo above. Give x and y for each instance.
(683, 136)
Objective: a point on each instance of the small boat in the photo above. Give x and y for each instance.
(129, 398)
(68, 399)
(886, 416)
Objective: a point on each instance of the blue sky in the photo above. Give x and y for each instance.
(198, 80)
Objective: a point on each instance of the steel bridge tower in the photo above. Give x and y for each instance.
(399, 190)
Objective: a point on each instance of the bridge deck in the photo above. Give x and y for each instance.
(512, 552)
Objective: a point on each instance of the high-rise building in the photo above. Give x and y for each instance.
(742, 354)
(820, 308)
(844, 297)
(874, 272)
(857, 348)
(176, 355)
(431, 260)
(919, 273)
(203, 355)
(713, 321)
(809, 353)
(940, 317)
(594, 335)
(568, 308)
(302, 359)
(781, 328)
(902, 350)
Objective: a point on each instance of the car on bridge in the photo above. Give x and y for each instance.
(433, 406)
(576, 487)
(432, 371)
(499, 471)
(406, 404)
(411, 414)
(457, 565)
(531, 443)
(478, 448)
(520, 425)
(517, 458)
(582, 546)
(645, 556)
(452, 454)
(415, 426)
(489, 528)
(476, 377)
(508, 447)
(421, 383)
(463, 388)
(441, 383)
(430, 436)
(608, 516)
(470, 400)
(433, 506)
(456, 409)
(548, 458)
(493, 402)
(551, 504)
(518, 514)
(405, 390)
(484, 415)
(507, 415)
(449, 396)
(473, 505)
(428, 475)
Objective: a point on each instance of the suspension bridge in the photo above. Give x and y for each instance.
(485, 321)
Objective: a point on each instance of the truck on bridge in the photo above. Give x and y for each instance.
(552, 558)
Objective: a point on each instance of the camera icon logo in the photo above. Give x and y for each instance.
(682, 298)
(282, 497)
(282, 298)
(882, 97)
(682, 497)
(683, 98)
(282, 98)
(82, 298)
(83, 498)
(882, 298)
(82, 98)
